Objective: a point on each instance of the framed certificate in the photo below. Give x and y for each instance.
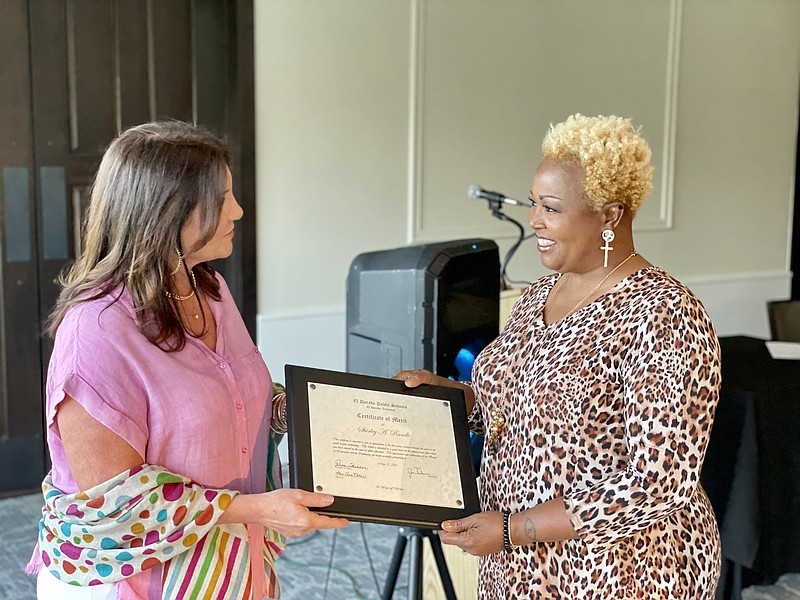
(387, 453)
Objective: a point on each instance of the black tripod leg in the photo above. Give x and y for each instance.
(444, 573)
(415, 571)
(394, 566)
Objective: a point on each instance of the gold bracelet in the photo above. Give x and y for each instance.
(508, 545)
(278, 422)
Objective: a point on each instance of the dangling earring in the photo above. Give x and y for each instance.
(608, 237)
(172, 296)
(180, 262)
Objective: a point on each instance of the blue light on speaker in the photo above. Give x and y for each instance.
(463, 364)
(465, 357)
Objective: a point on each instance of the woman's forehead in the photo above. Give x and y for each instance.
(558, 174)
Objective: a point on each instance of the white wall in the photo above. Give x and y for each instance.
(373, 117)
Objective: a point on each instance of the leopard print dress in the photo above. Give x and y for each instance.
(610, 409)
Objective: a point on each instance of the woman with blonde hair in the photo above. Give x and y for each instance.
(597, 399)
(164, 481)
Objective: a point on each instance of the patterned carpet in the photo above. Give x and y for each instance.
(18, 529)
(786, 588)
(324, 565)
(350, 563)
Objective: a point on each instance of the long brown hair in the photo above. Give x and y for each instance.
(149, 181)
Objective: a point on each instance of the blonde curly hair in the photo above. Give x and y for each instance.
(614, 156)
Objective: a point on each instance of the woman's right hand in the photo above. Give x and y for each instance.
(415, 377)
(285, 510)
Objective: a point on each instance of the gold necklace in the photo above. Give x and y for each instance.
(180, 298)
(195, 315)
(594, 289)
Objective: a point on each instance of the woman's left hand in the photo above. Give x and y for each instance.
(479, 534)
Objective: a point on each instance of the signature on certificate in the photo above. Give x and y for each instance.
(349, 466)
(417, 472)
(350, 470)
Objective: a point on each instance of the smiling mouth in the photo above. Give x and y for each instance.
(544, 244)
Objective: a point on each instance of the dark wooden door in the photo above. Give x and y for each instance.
(794, 262)
(75, 73)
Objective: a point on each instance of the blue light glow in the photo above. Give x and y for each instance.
(463, 364)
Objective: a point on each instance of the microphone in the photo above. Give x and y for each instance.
(476, 192)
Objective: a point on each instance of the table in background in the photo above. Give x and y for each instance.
(752, 467)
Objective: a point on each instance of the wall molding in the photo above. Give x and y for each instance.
(418, 232)
(664, 220)
(737, 303)
(740, 277)
(301, 313)
(313, 336)
(415, 79)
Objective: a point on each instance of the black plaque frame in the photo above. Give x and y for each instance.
(369, 510)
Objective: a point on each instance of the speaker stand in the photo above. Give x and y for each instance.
(413, 536)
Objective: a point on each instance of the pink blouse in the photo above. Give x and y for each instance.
(197, 412)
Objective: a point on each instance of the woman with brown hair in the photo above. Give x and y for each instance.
(158, 402)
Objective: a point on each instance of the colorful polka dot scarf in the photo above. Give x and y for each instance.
(146, 517)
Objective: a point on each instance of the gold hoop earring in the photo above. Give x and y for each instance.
(180, 298)
(180, 262)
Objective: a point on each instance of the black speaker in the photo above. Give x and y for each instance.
(431, 306)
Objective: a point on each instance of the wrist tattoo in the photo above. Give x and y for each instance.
(530, 529)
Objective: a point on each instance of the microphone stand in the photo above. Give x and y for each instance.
(497, 212)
